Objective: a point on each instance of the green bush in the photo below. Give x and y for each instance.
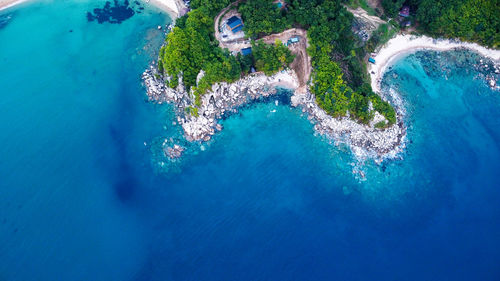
(384, 108)
(191, 47)
(192, 111)
(469, 20)
(271, 58)
(380, 125)
(262, 17)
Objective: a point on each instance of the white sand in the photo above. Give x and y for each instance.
(404, 44)
(284, 79)
(173, 7)
(4, 4)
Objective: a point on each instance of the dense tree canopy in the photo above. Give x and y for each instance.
(392, 7)
(188, 49)
(211, 7)
(271, 58)
(339, 78)
(328, 86)
(191, 48)
(470, 20)
(262, 17)
(339, 81)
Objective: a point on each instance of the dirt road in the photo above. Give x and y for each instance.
(302, 62)
(232, 45)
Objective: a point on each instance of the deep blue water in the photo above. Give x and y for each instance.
(83, 198)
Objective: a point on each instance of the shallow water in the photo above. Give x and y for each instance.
(82, 197)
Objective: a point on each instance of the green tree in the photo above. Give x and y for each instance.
(392, 7)
(470, 20)
(210, 7)
(262, 17)
(271, 58)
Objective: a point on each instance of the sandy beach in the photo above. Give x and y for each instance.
(405, 44)
(173, 7)
(4, 4)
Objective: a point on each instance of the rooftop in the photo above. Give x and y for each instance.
(238, 28)
(405, 11)
(234, 23)
(246, 51)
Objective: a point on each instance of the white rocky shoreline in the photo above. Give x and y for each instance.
(223, 99)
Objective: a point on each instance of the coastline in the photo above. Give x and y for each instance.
(365, 141)
(5, 4)
(402, 45)
(174, 8)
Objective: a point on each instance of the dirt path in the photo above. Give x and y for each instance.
(302, 62)
(362, 15)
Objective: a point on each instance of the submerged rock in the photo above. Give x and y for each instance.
(174, 152)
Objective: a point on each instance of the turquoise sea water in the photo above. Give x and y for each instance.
(83, 195)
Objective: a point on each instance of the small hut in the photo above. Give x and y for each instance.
(246, 51)
(405, 11)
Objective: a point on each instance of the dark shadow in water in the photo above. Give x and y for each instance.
(5, 20)
(125, 190)
(112, 14)
(123, 171)
(125, 185)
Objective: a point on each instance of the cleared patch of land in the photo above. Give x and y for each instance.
(369, 23)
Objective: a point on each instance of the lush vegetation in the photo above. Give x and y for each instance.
(392, 7)
(262, 17)
(339, 81)
(271, 58)
(228, 69)
(469, 20)
(191, 48)
(328, 86)
(187, 47)
(380, 36)
(211, 7)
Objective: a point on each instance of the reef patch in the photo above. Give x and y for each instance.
(116, 13)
